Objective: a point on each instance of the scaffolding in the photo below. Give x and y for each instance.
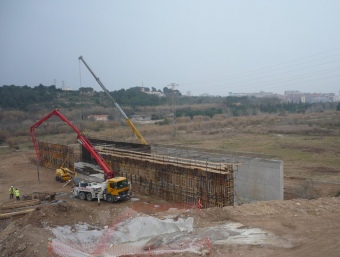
(168, 176)
(174, 179)
(56, 156)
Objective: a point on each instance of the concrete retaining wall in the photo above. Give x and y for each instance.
(258, 180)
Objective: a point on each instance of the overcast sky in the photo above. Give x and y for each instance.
(212, 46)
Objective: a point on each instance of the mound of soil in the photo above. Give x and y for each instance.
(311, 227)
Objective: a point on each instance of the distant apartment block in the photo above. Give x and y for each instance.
(294, 96)
(260, 94)
(299, 97)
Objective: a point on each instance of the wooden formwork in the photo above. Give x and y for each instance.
(55, 155)
(175, 179)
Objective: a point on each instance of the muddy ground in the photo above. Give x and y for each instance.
(294, 227)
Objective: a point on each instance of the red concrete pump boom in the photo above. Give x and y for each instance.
(81, 139)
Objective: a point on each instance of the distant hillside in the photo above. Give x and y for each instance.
(41, 97)
(27, 98)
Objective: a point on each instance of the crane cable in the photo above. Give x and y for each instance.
(81, 99)
(79, 74)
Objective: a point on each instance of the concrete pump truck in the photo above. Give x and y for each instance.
(111, 190)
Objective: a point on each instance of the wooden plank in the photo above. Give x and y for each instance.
(13, 205)
(17, 213)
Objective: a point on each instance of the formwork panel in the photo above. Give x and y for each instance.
(55, 155)
(177, 181)
(174, 180)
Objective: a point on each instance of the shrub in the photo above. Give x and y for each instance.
(13, 142)
(3, 136)
(307, 190)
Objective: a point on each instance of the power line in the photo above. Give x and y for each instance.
(293, 84)
(249, 73)
(242, 74)
(244, 84)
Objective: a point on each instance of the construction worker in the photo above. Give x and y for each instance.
(11, 192)
(17, 194)
(100, 195)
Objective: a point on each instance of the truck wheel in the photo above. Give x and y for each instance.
(82, 195)
(109, 198)
(57, 178)
(89, 197)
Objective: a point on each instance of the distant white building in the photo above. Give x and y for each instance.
(260, 94)
(297, 97)
(336, 98)
(157, 93)
(66, 89)
(140, 118)
(98, 117)
(160, 94)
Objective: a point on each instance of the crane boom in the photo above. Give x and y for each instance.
(127, 120)
(109, 173)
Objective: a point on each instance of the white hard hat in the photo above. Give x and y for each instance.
(11, 186)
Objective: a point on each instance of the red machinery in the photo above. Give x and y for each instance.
(109, 173)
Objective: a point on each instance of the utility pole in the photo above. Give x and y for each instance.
(173, 106)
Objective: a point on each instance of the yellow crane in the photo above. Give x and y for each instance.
(128, 121)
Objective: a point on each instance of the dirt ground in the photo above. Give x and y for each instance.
(294, 227)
